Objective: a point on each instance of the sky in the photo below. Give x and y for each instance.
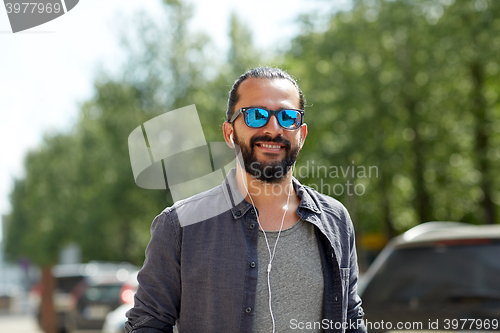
(48, 71)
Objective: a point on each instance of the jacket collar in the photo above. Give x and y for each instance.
(239, 206)
(306, 201)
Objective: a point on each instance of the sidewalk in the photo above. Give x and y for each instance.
(18, 324)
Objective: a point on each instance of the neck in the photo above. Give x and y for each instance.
(263, 193)
(277, 203)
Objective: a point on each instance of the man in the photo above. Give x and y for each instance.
(281, 258)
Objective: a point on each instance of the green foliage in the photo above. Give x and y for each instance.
(79, 187)
(402, 85)
(403, 115)
(113, 214)
(41, 220)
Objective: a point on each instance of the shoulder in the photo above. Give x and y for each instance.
(170, 222)
(197, 208)
(329, 208)
(325, 203)
(202, 198)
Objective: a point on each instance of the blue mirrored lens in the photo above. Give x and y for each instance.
(256, 117)
(289, 118)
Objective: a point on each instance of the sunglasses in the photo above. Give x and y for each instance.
(289, 119)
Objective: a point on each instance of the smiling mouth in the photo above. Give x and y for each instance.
(269, 145)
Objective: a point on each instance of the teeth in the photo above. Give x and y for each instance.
(270, 146)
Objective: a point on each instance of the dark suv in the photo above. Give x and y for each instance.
(438, 275)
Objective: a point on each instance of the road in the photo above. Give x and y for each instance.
(18, 324)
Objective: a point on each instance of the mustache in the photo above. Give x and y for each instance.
(268, 138)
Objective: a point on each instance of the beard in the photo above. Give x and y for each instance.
(269, 172)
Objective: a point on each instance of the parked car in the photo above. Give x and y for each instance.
(115, 320)
(69, 277)
(66, 276)
(438, 275)
(95, 296)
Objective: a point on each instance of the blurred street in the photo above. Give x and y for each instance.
(18, 324)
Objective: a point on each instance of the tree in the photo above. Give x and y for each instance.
(403, 86)
(79, 186)
(113, 213)
(87, 193)
(472, 26)
(41, 221)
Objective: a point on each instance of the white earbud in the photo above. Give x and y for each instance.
(231, 138)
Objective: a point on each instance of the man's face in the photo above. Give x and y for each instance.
(270, 151)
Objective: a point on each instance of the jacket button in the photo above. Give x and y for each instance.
(252, 264)
(238, 213)
(251, 226)
(248, 310)
(252, 212)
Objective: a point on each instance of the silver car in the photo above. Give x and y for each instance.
(115, 320)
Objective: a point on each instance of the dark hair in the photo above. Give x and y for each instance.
(260, 73)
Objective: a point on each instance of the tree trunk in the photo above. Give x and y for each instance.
(482, 142)
(386, 211)
(48, 319)
(383, 155)
(422, 198)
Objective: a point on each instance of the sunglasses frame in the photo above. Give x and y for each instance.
(271, 113)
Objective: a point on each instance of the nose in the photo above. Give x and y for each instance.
(273, 128)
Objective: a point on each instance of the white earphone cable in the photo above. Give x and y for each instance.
(271, 256)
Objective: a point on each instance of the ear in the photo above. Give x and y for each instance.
(303, 134)
(228, 130)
